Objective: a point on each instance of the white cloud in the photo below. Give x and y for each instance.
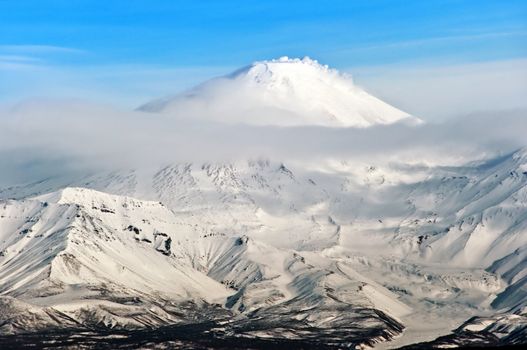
(51, 137)
(432, 92)
(122, 85)
(40, 49)
(433, 40)
(441, 92)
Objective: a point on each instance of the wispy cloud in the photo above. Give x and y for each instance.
(400, 44)
(30, 57)
(439, 91)
(18, 62)
(18, 58)
(127, 85)
(40, 49)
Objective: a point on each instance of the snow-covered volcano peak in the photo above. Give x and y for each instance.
(285, 92)
(269, 71)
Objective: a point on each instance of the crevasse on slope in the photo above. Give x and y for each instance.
(273, 241)
(282, 92)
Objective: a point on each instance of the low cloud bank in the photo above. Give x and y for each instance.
(45, 138)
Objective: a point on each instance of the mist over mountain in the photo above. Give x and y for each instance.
(40, 138)
(280, 204)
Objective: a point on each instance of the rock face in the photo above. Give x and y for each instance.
(282, 92)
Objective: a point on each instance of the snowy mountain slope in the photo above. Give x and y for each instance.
(275, 240)
(322, 252)
(102, 260)
(513, 268)
(264, 198)
(491, 220)
(63, 226)
(79, 252)
(500, 330)
(470, 215)
(282, 92)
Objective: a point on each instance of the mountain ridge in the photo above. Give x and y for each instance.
(232, 224)
(329, 251)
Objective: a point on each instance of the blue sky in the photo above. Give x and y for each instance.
(136, 49)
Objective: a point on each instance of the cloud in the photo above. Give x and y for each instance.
(429, 91)
(11, 61)
(29, 70)
(46, 138)
(126, 85)
(438, 92)
(40, 49)
(49, 138)
(434, 40)
(18, 58)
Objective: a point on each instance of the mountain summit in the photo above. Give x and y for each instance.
(284, 92)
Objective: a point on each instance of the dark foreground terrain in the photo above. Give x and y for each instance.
(196, 336)
(201, 336)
